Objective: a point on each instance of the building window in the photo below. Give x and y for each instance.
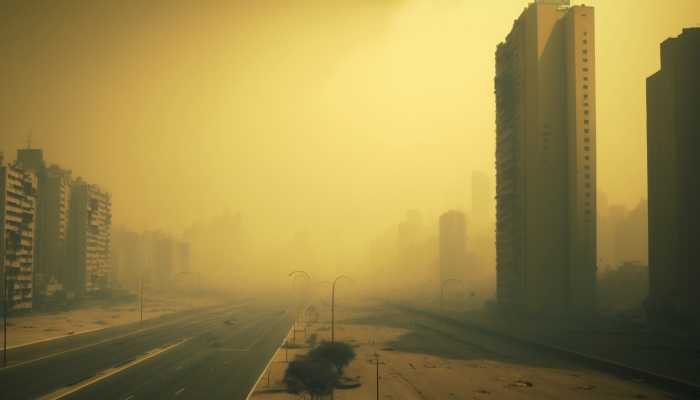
(585, 122)
(585, 69)
(585, 60)
(585, 51)
(585, 112)
(585, 41)
(585, 86)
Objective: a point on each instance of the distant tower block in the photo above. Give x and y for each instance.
(453, 253)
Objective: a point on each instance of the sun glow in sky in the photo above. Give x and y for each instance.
(322, 115)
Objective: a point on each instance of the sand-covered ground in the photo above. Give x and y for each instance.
(97, 314)
(416, 362)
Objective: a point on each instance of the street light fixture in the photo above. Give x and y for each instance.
(294, 327)
(333, 304)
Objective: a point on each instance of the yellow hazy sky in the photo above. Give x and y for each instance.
(304, 114)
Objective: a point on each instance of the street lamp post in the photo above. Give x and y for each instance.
(442, 289)
(141, 301)
(333, 305)
(294, 327)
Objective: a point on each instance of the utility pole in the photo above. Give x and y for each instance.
(377, 376)
(377, 363)
(141, 302)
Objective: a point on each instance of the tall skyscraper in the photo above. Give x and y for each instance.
(453, 252)
(673, 124)
(18, 192)
(546, 160)
(89, 239)
(53, 206)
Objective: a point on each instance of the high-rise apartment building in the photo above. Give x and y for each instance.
(673, 143)
(546, 160)
(89, 239)
(53, 206)
(18, 191)
(453, 252)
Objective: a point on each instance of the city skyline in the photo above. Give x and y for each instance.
(228, 143)
(396, 199)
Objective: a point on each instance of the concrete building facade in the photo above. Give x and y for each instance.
(546, 160)
(89, 242)
(53, 207)
(673, 124)
(18, 193)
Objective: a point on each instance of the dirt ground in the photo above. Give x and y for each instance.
(417, 363)
(96, 314)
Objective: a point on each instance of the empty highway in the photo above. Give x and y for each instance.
(211, 353)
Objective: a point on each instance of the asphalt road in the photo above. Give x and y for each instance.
(213, 353)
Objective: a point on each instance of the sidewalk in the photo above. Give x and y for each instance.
(95, 315)
(417, 365)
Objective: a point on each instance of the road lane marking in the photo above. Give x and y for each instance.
(111, 339)
(78, 333)
(255, 342)
(68, 390)
(262, 373)
(179, 391)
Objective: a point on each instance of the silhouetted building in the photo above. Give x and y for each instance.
(453, 252)
(18, 192)
(53, 205)
(546, 160)
(673, 143)
(409, 242)
(162, 262)
(624, 288)
(182, 257)
(89, 239)
(128, 257)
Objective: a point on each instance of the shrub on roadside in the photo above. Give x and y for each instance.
(338, 353)
(315, 377)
